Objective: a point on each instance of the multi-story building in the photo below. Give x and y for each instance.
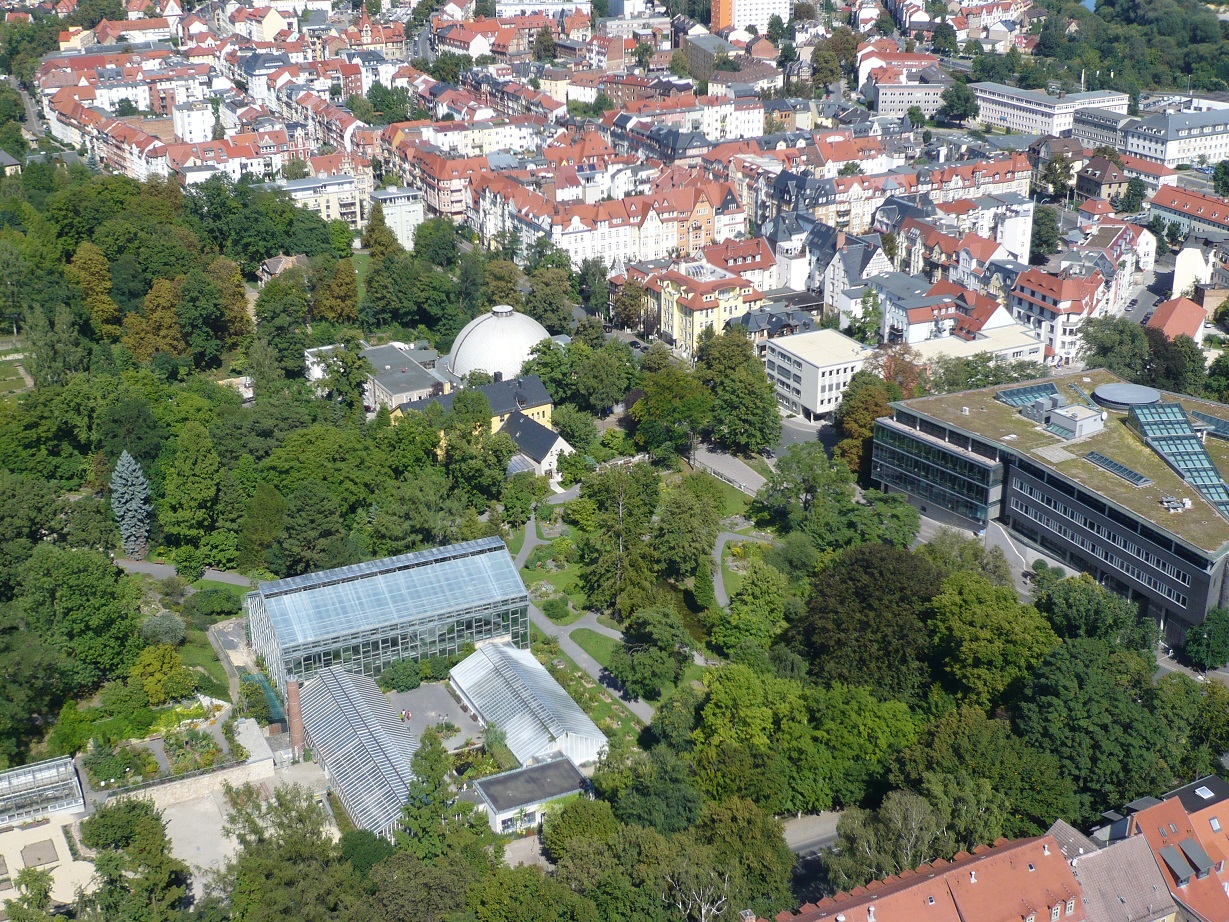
(738, 14)
(704, 51)
(403, 212)
(365, 617)
(1179, 137)
(1193, 212)
(1035, 112)
(895, 97)
(1120, 481)
(690, 297)
(332, 197)
(810, 371)
(1097, 127)
(1055, 307)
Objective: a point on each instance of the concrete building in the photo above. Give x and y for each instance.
(398, 378)
(925, 92)
(403, 212)
(193, 121)
(703, 52)
(332, 197)
(1179, 137)
(1035, 112)
(811, 370)
(1193, 212)
(1097, 127)
(518, 799)
(1120, 481)
(739, 14)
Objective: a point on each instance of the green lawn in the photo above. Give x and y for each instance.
(759, 465)
(198, 653)
(734, 500)
(599, 703)
(516, 542)
(238, 591)
(11, 381)
(565, 581)
(362, 262)
(732, 580)
(599, 646)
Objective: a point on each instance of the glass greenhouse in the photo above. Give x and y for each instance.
(365, 617)
(34, 791)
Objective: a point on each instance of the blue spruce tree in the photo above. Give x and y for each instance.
(131, 504)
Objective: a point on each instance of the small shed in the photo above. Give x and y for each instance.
(517, 799)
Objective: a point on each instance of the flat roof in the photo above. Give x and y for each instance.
(1199, 795)
(1040, 96)
(404, 589)
(1201, 526)
(524, 787)
(822, 347)
(995, 340)
(398, 372)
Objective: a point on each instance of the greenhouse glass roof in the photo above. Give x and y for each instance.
(361, 741)
(412, 587)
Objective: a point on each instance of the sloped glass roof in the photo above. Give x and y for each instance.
(424, 585)
(1169, 432)
(1023, 396)
(365, 746)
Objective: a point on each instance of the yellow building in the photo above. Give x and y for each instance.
(527, 396)
(691, 297)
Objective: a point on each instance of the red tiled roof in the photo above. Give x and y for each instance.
(1178, 317)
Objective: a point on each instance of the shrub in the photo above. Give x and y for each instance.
(211, 603)
(556, 609)
(163, 628)
(402, 676)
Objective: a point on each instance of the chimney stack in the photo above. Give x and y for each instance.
(294, 716)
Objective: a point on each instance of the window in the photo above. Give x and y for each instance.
(1070, 906)
(1215, 824)
(1055, 912)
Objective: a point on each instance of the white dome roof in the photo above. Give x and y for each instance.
(498, 342)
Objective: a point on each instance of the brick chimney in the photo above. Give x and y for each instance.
(294, 716)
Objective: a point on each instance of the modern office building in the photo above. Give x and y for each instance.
(1120, 481)
(810, 371)
(1036, 112)
(363, 746)
(366, 616)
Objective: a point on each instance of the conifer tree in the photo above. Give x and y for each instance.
(130, 501)
(378, 238)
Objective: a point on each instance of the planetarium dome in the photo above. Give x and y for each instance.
(498, 343)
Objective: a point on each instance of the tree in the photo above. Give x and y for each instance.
(917, 118)
(227, 278)
(630, 306)
(885, 24)
(1116, 344)
(678, 63)
(1058, 175)
(1044, 242)
(825, 68)
(808, 491)
(159, 672)
(312, 534)
(138, 877)
(378, 239)
(548, 300)
(685, 532)
(865, 400)
(1220, 178)
(91, 271)
(130, 501)
(902, 834)
(950, 552)
(985, 640)
(744, 410)
(33, 904)
(580, 821)
(943, 40)
(1207, 644)
(593, 291)
(346, 371)
(544, 45)
(1084, 704)
(190, 491)
(202, 318)
(757, 610)
(339, 303)
(613, 556)
(601, 379)
(435, 240)
(1078, 607)
(655, 648)
(881, 595)
(433, 823)
(643, 53)
(672, 412)
(158, 329)
(959, 103)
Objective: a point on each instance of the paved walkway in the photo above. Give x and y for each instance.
(562, 633)
(737, 472)
(163, 570)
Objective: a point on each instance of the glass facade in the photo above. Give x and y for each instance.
(34, 791)
(923, 469)
(366, 617)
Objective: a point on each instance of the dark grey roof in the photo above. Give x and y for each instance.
(7, 159)
(525, 787)
(505, 396)
(398, 372)
(1206, 792)
(531, 437)
(773, 321)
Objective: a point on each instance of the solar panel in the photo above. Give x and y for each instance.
(1121, 470)
(1022, 396)
(1217, 427)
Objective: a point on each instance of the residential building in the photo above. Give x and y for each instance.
(1086, 468)
(365, 617)
(508, 688)
(1179, 317)
(1028, 879)
(518, 800)
(539, 447)
(1055, 307)
(1198, 883)
(397, 377)
(527, 396)
(1035, 112)
(704, 51)
(1100, 178)
(690, 297)
(334, 198)
(403, 212)
(1193, 212)
(1172, 138)
(773, 321)
(810, 371)
(1122, 882)
(895, 97)
(738, 14)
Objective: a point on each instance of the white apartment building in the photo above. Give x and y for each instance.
(810, 371)
(193, 121)
(403, 212)
(1180, 137)
(1035, 112)
(331, 197)
(756, 13)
